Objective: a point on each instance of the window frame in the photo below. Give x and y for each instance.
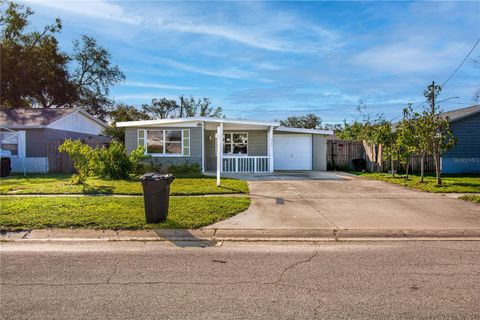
(232, 143)
(183, 147)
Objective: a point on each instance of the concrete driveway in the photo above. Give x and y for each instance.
(330, 200)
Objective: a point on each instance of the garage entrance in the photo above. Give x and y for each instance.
(292, 152)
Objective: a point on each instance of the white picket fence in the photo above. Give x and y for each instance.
(245, 164)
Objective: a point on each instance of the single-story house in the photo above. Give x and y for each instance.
(33, 136)
(464, 157)
(246, 146)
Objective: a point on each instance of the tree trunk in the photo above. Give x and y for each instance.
(406, 169)
(391, 166)
(422, 166)
(437, 169)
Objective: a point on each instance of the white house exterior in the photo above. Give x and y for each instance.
(246, 146)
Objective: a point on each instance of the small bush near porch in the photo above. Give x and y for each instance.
(451, 183)
(119, 213)
(61, 184)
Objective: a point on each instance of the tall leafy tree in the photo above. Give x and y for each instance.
(439, 137)
(93, 75)
(119, 113)
(407, 138)
(309, 121)
(162, 109)
(34, 72)
(191, 107)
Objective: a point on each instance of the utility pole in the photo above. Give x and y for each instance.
(433, 97)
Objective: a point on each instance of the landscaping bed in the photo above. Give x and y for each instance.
(113, 213)
(451, 183)
(61, 184)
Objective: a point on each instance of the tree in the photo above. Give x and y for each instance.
(406, 141)
(93, 75)
(162, 109)
(439, 136)
(190, 107)
(33, 70)
(476, 95)
(122, 112)
(309, 121)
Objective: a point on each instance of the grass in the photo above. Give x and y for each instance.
(60, 184)
(17, 213)
(451, 183)
(475, 199)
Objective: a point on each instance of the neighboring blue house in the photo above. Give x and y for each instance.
(464, 157)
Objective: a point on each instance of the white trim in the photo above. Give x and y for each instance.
(234, 154)
(219, 151)
(203, 146)
(302, 130)
(164, 154)
(83, 112)
(270, 148)
(192, 119)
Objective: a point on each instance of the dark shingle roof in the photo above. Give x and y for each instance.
(458, 114)
(32, 117)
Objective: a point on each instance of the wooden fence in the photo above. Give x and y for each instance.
(60, 162)
(340, 154)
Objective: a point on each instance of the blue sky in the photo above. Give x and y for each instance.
(270, 60)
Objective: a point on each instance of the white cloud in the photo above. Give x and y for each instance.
(156, 85)
(93, 9)
(232, 73)
(266, 29)
(405, 58)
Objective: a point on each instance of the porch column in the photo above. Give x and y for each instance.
(270, 148)
(203, 146)
(219, 151)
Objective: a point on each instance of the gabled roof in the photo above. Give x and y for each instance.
(38, 117)
(192, 119)
(462, 113)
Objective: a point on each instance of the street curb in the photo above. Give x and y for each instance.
(241, 235)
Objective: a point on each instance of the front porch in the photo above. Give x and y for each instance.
(244, 148)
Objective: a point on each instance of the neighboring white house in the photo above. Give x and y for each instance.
(246, 146)
(31, 135)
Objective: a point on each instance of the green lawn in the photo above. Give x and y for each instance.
(60, 184)
(475, 199)
(113, 213)
(451, 183)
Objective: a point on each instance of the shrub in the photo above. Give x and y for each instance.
(110, 162)
(81, 154)
(187, 169)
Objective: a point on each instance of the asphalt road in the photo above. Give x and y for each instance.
(135, 280)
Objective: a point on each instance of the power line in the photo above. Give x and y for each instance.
(463, 61)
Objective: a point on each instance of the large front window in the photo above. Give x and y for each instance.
(235, 143)
(165, 142)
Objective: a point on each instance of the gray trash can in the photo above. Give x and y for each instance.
(156, 194)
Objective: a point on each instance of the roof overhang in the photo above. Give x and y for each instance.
(195, 121)
(301, 130)
(21, 127)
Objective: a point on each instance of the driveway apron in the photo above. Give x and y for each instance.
(328, 200)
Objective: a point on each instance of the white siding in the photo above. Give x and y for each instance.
(77, 122)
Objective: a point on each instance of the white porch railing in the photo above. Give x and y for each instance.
(245, 164)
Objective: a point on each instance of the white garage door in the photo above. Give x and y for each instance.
(292, 151)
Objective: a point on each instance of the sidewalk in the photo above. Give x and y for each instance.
(216, 235)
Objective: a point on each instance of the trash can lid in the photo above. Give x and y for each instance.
(155, 176)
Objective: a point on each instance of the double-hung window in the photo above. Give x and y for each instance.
(165, 142)
(235, 143)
